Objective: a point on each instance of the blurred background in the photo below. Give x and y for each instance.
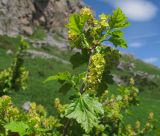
(42, 23)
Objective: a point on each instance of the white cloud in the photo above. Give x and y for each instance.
(136, 45)
(137, 10)
(150, 60)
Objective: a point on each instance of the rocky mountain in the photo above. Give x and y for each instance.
(21, 16)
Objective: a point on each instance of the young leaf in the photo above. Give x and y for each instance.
(77, 23)
(65, 76)
(67, 80)
(117, 33)
(117, 39)
(75, 30)
(118, 42)
(85, 111)
(118, 19)
(18, 127)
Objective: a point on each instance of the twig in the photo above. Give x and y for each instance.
(66, 127)
(83, 87)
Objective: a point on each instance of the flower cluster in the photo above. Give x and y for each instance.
(95, 71)
(15, 77)
(36, 119)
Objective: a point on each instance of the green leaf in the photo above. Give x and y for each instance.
(85, 111)
(18, 127)
(76, 27)
(117, 33)
(77, 23)
(79, 58)
(117, 39)
(67, 80)
(65, 76)
(118, 19)
(118, 42)
(107, 79)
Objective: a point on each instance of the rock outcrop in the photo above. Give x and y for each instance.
(141, 78)
(20, 16)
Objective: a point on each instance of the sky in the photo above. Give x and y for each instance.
(143, 35)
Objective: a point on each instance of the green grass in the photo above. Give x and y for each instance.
(45, 94)
(8, 42)
(37, 91)
(53, 50)
(39, 70)
(38, 33)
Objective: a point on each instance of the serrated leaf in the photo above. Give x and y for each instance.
(75, 27)
(18, 127)
(117, 33)
(67, 80)
(77, 23)
(85, 111)
(118, 19)
(118, 42)
(65, 76)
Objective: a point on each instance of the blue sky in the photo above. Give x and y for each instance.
(143, 35)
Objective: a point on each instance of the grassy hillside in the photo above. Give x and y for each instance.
(40, 69)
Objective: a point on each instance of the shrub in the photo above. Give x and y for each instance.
(34, 121)
(15, 77)
(93, 109)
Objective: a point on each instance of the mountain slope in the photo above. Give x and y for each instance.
(41, 68)
(46, 59)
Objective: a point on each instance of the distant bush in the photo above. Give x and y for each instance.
(15, 122)
(15, 77)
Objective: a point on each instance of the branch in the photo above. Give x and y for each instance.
(66, 127)
(83, 87)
